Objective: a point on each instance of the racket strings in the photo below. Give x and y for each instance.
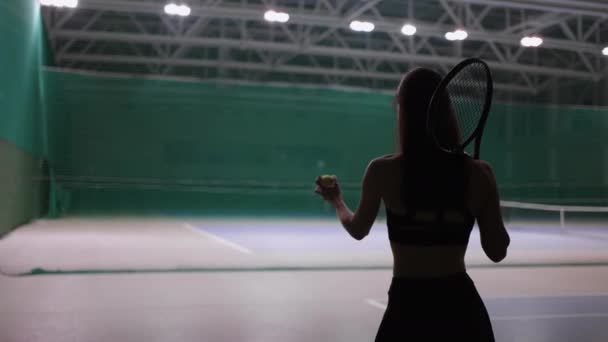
(467, 92)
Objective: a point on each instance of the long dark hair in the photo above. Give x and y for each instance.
(431, 177)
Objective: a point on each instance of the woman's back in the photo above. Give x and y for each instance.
(436, 259)
(432, 199)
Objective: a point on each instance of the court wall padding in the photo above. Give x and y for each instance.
(143, 145)
(22, 133)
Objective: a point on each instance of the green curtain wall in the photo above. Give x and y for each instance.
(20, 63)
(22, 134)
(163, 146)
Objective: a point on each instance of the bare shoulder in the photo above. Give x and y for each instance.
(385, 159)
(482, 172)
(382, 163)
(380, 171)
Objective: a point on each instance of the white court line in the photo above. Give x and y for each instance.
(550, 316)
(531, 296)
(218, 239)
(381, 306)
(376, 304)
(545, 296)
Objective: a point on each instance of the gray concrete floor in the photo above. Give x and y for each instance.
(526, 304)
(537, 298)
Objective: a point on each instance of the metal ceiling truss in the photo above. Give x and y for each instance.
(230, 39)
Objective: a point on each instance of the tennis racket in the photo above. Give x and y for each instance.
(460, 106)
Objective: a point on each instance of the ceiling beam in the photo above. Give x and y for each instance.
(314, 50)
(580, 7)
(305, 70)
(253, 12)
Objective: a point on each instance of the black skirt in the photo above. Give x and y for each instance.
(446, 308)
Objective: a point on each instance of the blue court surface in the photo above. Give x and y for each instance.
(303, 242)
(95, 245)
(578, 318)
(329, 236)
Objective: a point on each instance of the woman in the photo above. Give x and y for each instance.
(432, 200)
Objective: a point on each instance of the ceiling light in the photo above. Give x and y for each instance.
(362, 26)
(279, 17)
(408, 30)
(456, 35)
(531, 41)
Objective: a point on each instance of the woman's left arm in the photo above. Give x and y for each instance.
(359, 223)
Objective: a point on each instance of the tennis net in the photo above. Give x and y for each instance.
(556, 218)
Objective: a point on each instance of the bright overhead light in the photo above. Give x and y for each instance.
(456, 35)
(171, 9)
(175, 9)
(605, 51)
(60, 3)
(531, 41)
(408, 30)
(361, 26)
(278, 17)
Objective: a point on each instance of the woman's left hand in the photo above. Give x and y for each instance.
(331, 194)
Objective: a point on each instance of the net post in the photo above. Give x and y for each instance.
(562, 220)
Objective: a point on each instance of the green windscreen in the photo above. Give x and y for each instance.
(21, 57)
(121, 144)
(131, 144)
(22, 113)
(550, 154)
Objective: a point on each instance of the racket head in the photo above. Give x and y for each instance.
(460, 107)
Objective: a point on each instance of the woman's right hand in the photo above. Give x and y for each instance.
(330, 192)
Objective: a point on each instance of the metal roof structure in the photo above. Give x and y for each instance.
(231, 40)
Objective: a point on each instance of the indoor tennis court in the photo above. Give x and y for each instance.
(158, 160)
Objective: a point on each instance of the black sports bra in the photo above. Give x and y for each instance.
(428, 227)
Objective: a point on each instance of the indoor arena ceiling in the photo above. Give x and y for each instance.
(231, 40)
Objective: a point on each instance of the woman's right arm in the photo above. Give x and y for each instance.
(494, 237)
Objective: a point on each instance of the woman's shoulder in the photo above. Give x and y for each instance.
(482, 168)
(387, 158)
(482, 173)
(385, 162)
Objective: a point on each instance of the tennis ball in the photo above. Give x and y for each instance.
(328, 181)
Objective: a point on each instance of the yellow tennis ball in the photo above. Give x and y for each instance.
(328, 181)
